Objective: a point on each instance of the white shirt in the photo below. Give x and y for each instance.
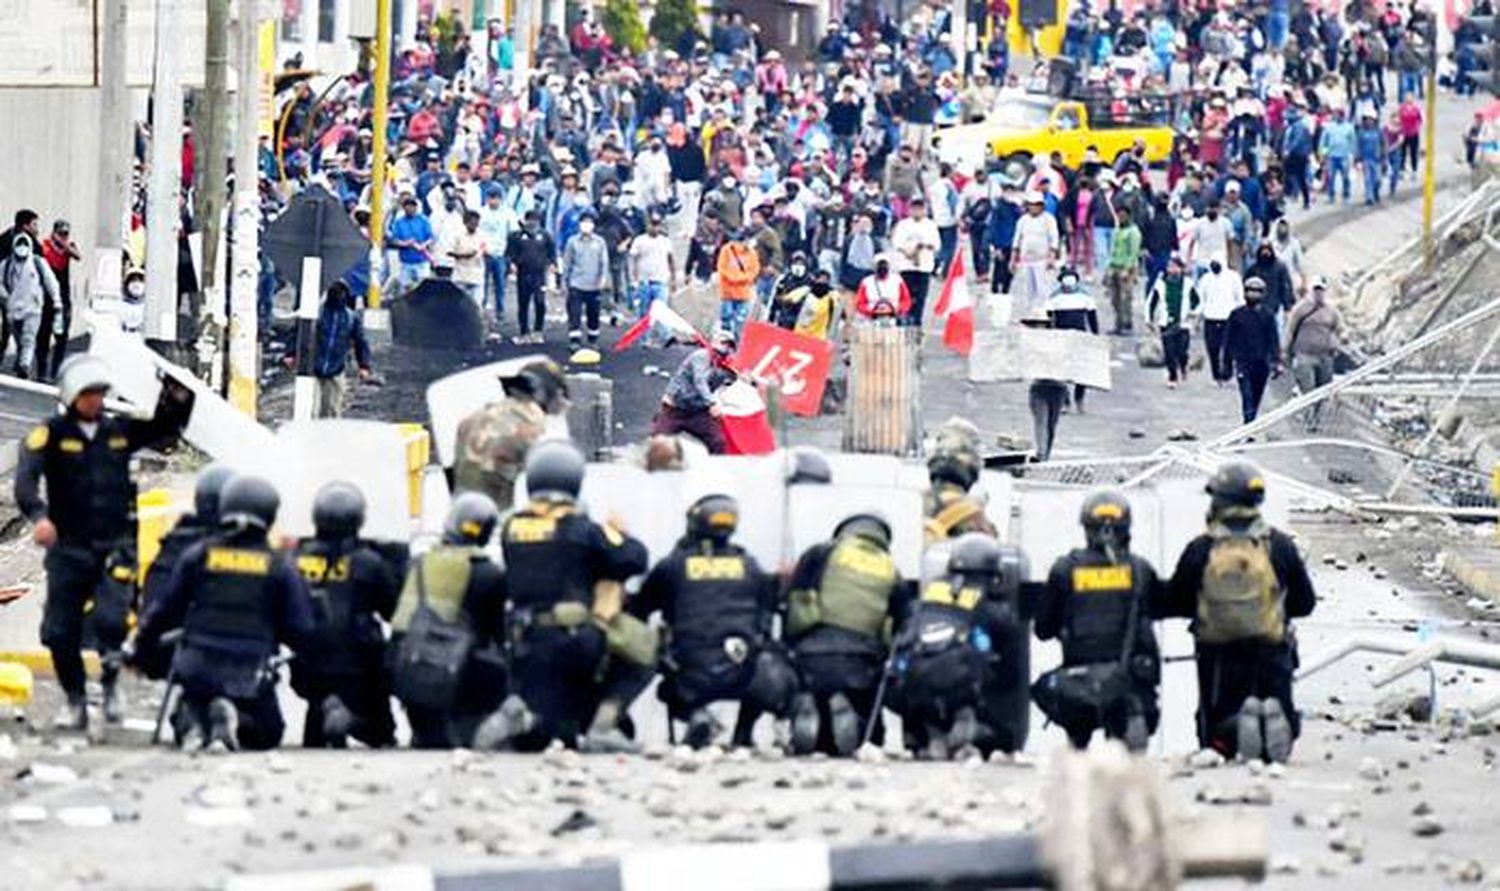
(939, 210)
(1211, 240)
(1219, 294)
(916, 243)
(650, 256)
(468, 270)
(1036, 238)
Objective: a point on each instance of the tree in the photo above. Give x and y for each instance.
(672, 18)
(622, 22)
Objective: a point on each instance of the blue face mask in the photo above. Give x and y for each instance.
(767, 179)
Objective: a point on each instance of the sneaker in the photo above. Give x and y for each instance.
(520, 339)
(845, 725)
(804, 724)
(72, 717)
(937, 744)
(223, 726)
(510, 720)
(1277, 731)
(193, 737)
(337, 722)
(964, 730)
(607, 741)
(1249, 744)
(703, 729)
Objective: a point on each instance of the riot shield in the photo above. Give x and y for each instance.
(369, 454)
(455, 397)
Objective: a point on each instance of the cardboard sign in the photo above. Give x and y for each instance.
(1022, 354)
(797, 364)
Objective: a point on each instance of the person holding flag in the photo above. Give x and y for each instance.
(955, 307)
(690, 404)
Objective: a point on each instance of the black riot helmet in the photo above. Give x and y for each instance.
(554, 467)
(974, 554)
(713, 518)
(1237, 484)
(1106, 520)
(542, 382)
(471, 519)
(808, 465)
(249, 502)
(338, 511)
(206, 491)
(871, 526)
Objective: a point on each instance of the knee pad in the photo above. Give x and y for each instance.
(773, 683)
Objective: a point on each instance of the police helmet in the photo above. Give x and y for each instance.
(554, 467)
(208, 489)
(249, 501)
(338, 511)
(808, 465)
(713, 517)
(542, 382)
(471, 519)
(974, 553)
(1238, 484)
(81, 374)
(867, 525)
(1106, 508)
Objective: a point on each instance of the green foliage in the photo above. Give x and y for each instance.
(672, 18)
(622, 22)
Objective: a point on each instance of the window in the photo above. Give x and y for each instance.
(327, 11)
(291, 20)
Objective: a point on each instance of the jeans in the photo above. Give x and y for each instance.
(732, 315)
(1156, 267)
(1393, 168)
(1276, 28)
(1174, 348)
(1252, 378)
(530, 299)
(1372, 173)
(580, 304)
(1213, 344)
(1121, 283)
(980, 268)
(647, 293)
(1337, 168)
(1296, 180)
(1411, 82)
(947, 245)
(495, 270)
(412, 274)
(475, 292)
(24, 330)
(1104, 243)
(1411, 149)
(1046, 399)
(917, 283)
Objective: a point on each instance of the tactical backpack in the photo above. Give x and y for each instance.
(1241, 598)
(430, 659)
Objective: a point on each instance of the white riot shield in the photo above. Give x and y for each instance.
(649, 505)
(369, 454)
(815, 510)
(216, 427)
(455, 397)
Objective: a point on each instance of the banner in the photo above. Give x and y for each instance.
(1015, 353)
(797, 364)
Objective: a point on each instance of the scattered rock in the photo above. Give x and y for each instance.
(1427, 827)
(1205, 759)
(48, 774)
(1136, 433)
(1285, 865)
(1370, 769)
(1182, 434)
(869, 753)
(577, 821)
(1422, 809)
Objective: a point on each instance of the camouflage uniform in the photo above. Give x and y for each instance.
(492, 444)
(952, 512)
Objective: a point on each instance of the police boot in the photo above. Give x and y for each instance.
(114, 700)
(1277, 731)
(223, 726)
(337, 722)
(604, 735)
(845, 725)
(804, 724)
(937, 744)
(510, 720)
(1137, 736)
(73, 717)
(963, 733)
(1249, 742)
(703, 729)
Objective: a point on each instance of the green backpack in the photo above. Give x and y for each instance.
(1241, 598)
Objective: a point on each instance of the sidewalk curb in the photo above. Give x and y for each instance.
(1477, 573)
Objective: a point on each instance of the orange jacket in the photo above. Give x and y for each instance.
(739, 265)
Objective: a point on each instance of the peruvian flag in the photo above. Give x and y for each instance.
(664, 315)
(956, 306)
(747, 429)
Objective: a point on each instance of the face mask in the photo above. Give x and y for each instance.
(1068, 283)
(729, 185)
(586, 226)
(136, 289)
(451, 204)
(1216, 266)
(882, 271)
(609, 199)
(22, 251)
(798, 269)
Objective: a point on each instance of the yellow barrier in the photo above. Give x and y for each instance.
(156, 512)
(418, 454)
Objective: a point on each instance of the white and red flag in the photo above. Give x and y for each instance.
(955, 307)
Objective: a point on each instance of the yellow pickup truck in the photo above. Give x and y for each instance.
(1021, 128)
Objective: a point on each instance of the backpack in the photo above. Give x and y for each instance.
(431, 656)
(1241, 598)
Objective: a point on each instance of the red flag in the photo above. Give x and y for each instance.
(956, 306)
(659, 314)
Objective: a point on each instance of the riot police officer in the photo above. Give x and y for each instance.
(843, 600)
(1098, 603)
(579, 660)
(947, 654)
(89, 512)
(953, 469)
(1241, 583)
(492, 442)
(448, 632)
(189, 529)
(236, 600)
(718, 605)
(341, 671)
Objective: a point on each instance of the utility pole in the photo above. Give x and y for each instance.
(244, 358)
(162, 212)
(114, 136)
(378, 164)
(213, 147)
(1429, 142)
(958, 27)
(524, 35)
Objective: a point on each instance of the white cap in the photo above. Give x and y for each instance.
(1320, 283)
(1035, 197)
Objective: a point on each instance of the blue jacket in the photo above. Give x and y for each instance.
(1002, 228)
(1371, 144)
(414, 228)
(339, 328)
(1338, 140)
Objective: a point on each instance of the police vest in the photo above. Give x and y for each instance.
(442, 576)
(234, 597)
(1099, 595)
(91, 498)
(547, 555)
(943, 618)
(856, 588)
(717, 596)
